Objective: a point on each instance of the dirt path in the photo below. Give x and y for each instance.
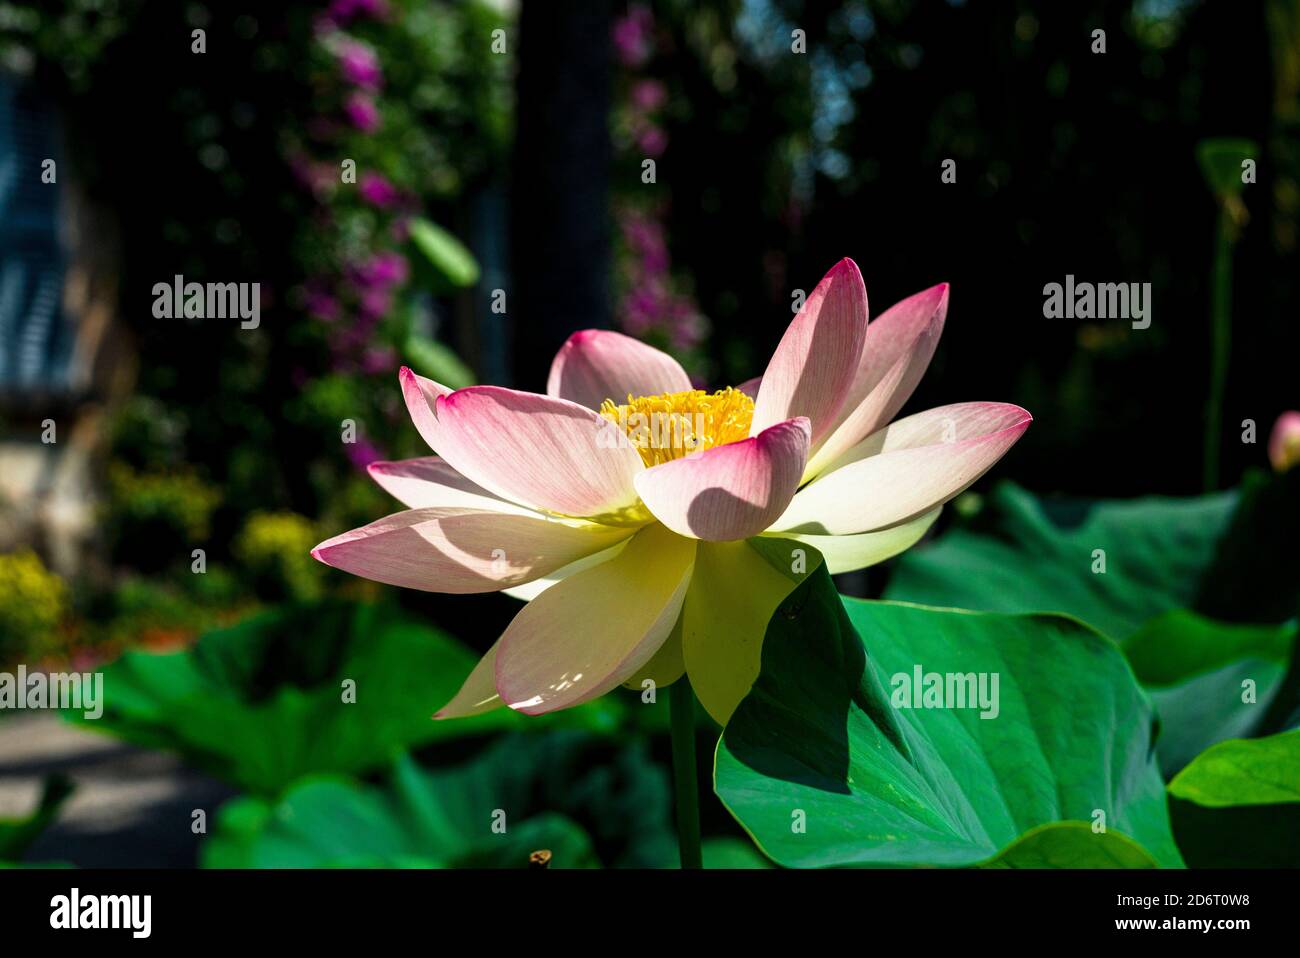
(131, 808)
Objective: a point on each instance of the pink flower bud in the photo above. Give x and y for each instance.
(1284, 443)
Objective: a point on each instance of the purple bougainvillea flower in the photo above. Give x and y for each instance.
(649, 95)
(341, 11)
(378, 359)
(378, 191)
(652, 140)
(375, 302)
(639, 516)
(360, 66)
(1284, 442)
(632, 36)
(363, 453)
(362, 112)
(383, 270)
(322, 305)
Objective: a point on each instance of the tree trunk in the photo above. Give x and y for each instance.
(560, 241)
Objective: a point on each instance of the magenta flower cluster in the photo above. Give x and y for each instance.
(650, 304)
(360, 65)
(376, 190)
(634, 36)
(343, 11)
(371, 284)
(352, 296)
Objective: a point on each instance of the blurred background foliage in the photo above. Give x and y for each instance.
(770, 166)
(385, 167)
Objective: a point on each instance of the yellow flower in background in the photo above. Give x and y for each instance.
(33, 601)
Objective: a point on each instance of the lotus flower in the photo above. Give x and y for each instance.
(655, 538)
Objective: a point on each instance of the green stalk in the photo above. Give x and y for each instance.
(1220, 307)
(682, 706)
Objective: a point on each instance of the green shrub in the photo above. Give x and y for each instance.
(33, 601)
(275, 551)
(154, 519)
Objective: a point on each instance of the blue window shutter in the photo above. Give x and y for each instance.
(36, 338)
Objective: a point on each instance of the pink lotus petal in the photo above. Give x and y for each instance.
(598, 364)
(478, 694)
(531, 590)
(664, 667)
(813, 368)
(461, 550)
(906, 469)
(539, 451)
(429, 482)
(750, 387)
(853, 429)
(851, 552)
(590, 632)
(421, 394)
(729, 492)
(899, 345)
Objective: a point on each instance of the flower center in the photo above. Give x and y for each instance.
(674, 425)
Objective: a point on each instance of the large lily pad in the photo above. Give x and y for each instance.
(1210, 681)
(566, 792)
(822, 768)
(1025, 554)
(264, 703)
(1134, 569)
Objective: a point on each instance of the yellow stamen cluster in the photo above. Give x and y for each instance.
(673, 425)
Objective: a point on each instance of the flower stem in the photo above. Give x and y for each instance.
(682, 707)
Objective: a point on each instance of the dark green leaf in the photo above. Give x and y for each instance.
(1263, 771)
(1255, 573)
(819, 742)
(1031, 555)
(732, 853)
(453, 265)
(261, 704)
(565, 792)
(16, 834)
(1209, 680)
(1072, 845)
(1237, 805)
(1230, 555)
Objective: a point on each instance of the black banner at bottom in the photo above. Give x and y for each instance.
(547, 907)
